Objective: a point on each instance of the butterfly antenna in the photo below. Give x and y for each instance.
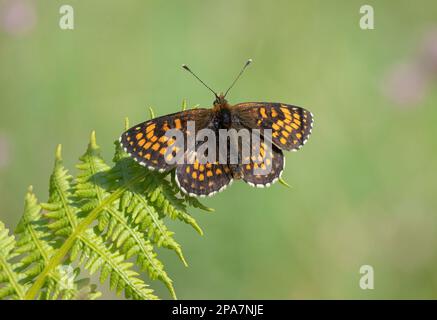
(239, 75)
(189, 70)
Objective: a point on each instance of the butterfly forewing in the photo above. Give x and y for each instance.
(291, 125)
(148, 144)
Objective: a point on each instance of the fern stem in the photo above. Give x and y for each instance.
(56, 259)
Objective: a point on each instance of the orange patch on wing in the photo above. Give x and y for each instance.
(177, 123)
(147, 156)
(149, 134)
(201, 177)
(263, 112)
(262, 152)
(156, 146)
(209, 173)
(194, 175)
(274, 113)
(218, 171)
(283, 140)
(139, 136)
(141, 142)
(150, 127)
(285, 110)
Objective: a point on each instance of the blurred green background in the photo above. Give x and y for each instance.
(364, 187)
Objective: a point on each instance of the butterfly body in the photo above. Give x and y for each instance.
(222, 114)
(290, 127)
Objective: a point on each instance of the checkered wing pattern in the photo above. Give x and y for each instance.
(203, 179)
(147, 143)
(264, 166)
(291, 126)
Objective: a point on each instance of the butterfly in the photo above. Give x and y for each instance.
(281, 126)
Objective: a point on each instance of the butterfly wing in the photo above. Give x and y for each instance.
(148, 144)
(291, 125)
(203, 179)
(264, 166)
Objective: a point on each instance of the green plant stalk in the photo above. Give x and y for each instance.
(56, 259)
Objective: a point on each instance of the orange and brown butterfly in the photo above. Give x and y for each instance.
(290, 128)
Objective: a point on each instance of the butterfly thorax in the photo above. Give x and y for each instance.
(222, 113)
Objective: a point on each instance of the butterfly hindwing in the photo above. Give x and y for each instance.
(265, 165)
(291, 125)
(147, 143)
(203, 179)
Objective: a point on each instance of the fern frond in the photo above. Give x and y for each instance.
(35, 247)
(96, 255)
(65, 217)
(136, 204)
(59, 207)
(93, 181)
(162, 196)
(10, 281)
